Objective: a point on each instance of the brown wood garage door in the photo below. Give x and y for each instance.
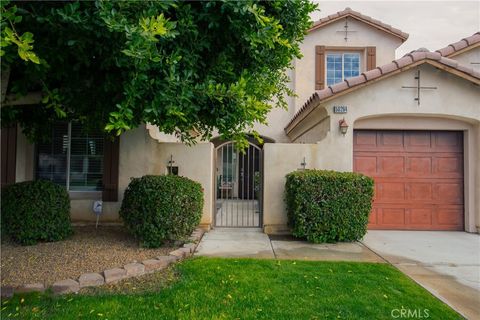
(418, 178)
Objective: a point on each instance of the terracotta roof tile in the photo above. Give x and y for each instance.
(404, 61)
(448, 50)
(459, 45)
(324, 94)
(415, 57)
(389, 67)
(372, 74)
(473, 38)
(450, 62)
(433, 55)
(361, 17)
(355, 80)
(340, 86)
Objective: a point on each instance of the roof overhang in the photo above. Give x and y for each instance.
(378, 74)
(349, 13)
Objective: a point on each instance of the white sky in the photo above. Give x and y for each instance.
(431, 24)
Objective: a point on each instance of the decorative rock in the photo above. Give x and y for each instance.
(167, 260)
(114, 275)
(134, 269)
(190, 246)
(179, 253)
(187, 251)
(6, 292)
(153, 264)
(31, 287)
(65, 286)
(91, 280)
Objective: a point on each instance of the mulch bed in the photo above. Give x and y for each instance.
(88, 250)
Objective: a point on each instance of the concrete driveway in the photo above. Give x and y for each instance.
(445, 263)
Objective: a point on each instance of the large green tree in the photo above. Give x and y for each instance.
(188, 67)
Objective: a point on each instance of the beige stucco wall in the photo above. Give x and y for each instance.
(281, 159)
(453, 106)
(140, 154)
(363, 36)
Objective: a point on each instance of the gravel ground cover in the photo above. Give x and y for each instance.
(88, 250)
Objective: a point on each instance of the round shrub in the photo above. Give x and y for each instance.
(159, 208)
(35, 211)
(328, 206)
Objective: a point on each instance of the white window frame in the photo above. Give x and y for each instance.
(343, 53)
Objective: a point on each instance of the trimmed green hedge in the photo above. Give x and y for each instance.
(328, 206)
(35, 211)
(159, 208)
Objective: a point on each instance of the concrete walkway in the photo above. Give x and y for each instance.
(253, 243)
(445, 263)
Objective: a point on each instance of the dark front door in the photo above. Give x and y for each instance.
(249, 173)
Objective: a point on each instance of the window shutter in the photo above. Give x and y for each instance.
(371, 58)
(110, 169)
(319, 67)
(9, 154)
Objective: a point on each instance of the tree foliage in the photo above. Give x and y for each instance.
(188, 67)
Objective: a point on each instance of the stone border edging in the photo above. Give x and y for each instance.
(113, 275)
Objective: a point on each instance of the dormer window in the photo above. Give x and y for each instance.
(341, 66)
(335, 64)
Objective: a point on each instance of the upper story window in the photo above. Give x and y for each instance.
(341, 66)
(335, 64)
(72, 158)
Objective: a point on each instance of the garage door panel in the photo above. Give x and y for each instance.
(365, 164)
(449, 192)
(421, 216)
(366, 140)
(449, 166)
(448, 141)
(392, 216)
(419, 165)
(420, 191)
(391, 165)
(390, 139)
(390, 192)
(418, 178)
(418, 141)
(450, 216)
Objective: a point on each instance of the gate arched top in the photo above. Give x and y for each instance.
(217, 141)
(233, 144)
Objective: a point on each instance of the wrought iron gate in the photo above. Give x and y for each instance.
(238, 186)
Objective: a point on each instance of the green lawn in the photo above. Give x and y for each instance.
(247, 289)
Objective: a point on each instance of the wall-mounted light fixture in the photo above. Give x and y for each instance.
(171, 169)
(343, 126)
(303, 164)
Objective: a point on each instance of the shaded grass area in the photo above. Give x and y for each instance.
(247, 289)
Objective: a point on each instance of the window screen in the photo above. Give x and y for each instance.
(73, 158)
(86, 159)
(341, 66)
(52, 156)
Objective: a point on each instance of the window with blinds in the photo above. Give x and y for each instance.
(72, 158)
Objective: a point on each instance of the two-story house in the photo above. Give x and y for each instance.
(413, 124)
